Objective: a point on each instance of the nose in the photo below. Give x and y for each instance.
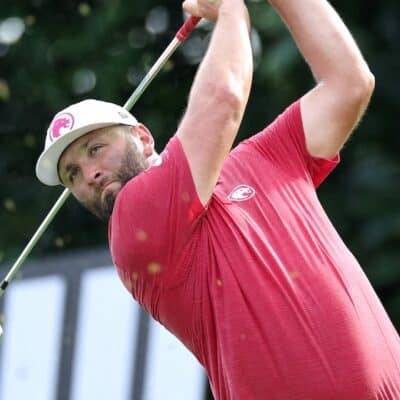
(93, 174)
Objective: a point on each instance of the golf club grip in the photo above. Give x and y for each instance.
(187, 27)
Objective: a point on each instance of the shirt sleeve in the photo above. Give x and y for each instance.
(153, 217)
(284, 141)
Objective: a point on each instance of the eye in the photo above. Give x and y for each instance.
(94, 149)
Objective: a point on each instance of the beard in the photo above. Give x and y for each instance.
(132, 164)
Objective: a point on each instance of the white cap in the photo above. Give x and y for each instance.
(72, 123)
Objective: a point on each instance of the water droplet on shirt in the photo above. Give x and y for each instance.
(154, 268)
(141, 235)
(185, 197)
(293, 274)
(134, 276)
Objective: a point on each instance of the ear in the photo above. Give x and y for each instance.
(145, 136)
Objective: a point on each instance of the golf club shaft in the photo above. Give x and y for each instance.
(180, 37)
(39, 232)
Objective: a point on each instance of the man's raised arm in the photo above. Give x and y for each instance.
(344, 83)
(219, 92)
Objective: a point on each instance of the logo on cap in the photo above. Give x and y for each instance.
(62, 124)
(242, 193)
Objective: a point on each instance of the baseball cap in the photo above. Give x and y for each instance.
(72, 123)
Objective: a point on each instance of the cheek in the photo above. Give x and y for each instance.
(112, 159)
(81, 193)
(113, 163)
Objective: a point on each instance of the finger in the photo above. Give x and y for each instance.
(191, 7)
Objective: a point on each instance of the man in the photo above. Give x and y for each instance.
(231, 250)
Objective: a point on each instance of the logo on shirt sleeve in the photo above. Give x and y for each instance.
(242, 193)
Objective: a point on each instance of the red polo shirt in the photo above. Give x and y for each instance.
(258, 284)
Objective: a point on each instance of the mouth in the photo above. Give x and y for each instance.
(110, 186)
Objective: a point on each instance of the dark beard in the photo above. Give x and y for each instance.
(132, 165)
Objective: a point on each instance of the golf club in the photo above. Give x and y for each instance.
(179, 38)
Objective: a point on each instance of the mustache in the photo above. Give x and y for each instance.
(100, 184)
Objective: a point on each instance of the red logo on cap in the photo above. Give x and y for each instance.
(61, 125)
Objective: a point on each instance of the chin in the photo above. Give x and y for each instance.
(107, 203)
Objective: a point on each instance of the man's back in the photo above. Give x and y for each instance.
(258, 284)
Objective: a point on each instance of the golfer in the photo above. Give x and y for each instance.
(230, 249)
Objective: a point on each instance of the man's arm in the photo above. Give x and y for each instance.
(219, 92)
(333, 108)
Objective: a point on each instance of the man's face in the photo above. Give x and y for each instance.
(96, 166)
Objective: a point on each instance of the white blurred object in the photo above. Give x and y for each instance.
(11, 30)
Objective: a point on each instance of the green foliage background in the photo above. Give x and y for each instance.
(67, 44)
